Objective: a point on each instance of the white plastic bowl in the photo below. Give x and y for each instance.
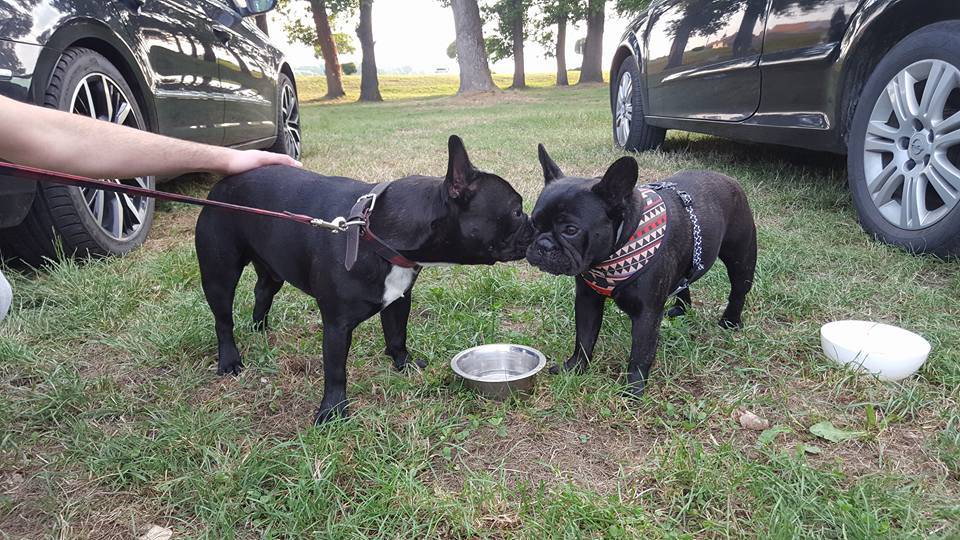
(890, 352)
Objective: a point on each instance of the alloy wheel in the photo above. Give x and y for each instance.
(290, 111)
(912, 146)
(119, 215)
(624, 114)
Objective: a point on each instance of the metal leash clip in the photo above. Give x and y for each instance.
(338, 225)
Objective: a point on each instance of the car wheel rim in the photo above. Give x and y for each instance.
(120, 216)
(624, 114)
(912, 146)
(290, 111)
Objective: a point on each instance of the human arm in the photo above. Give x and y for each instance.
(75, 144)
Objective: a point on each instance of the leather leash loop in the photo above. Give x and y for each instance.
(360, 213)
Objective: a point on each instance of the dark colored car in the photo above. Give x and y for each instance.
(199, 70)
(878, 80)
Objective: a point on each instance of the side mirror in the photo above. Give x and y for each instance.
(248, 8)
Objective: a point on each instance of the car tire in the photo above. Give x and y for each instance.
(82, 222)
(904, 144)
(630, 128)
(289, 140)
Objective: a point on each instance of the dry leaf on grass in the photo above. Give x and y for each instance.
(754, 422)
(157, 532)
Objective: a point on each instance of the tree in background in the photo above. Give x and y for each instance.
(326, 44)
(471, 53)
(558, 13)
(632, 7)
(591, 70)
(511, 19)
(369, 81)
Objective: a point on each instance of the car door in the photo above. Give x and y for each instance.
(174, 39)
(804, 29)
(247, 75)
(703, 58)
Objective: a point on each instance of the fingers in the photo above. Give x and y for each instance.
(280, 159)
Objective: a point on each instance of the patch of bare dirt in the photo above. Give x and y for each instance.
(171, 229)
(588, 454)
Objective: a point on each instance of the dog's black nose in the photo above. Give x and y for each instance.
(545, 243)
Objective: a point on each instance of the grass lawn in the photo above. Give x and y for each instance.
(113, 418)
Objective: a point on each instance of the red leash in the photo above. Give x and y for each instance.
(41, 175)
(358, 222)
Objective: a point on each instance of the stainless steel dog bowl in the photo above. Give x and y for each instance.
(499, 370)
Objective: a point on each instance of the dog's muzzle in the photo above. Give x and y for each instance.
(549, 256)
(515, 246)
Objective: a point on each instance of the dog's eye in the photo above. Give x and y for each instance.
(518, 213)
(570, 230)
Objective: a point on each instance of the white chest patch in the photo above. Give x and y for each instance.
(397, 283)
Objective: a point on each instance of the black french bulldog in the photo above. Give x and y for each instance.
(582, 226)
(467, 217)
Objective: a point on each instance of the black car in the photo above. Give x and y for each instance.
(878, 80)
(199, 70)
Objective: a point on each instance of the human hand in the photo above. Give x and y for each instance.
(239, 161)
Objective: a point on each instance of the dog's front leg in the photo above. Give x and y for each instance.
(394, 320)
(588, 311)
(337, 337)
(645, 332)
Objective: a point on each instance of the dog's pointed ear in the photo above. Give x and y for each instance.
(550, 169)
(618, 182)
(460, 171)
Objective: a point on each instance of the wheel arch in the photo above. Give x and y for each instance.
(288, 71)
(874, 32)
(96, 36)
(623, 52)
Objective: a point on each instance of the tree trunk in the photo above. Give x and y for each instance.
(328, 48)
(743, 43)
(592, 69)
(261, 21)
(679, 45)
(562, 51)
(471, 54)
(369, 82)
(519, 78)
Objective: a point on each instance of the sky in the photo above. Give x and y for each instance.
(416, 33)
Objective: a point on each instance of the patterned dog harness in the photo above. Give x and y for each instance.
(625, 264)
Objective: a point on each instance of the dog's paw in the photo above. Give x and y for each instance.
(634, 389)
(574, 364)
(677, 311)
(403, 363)
(229, 367)
(731, 324)
(329, 413)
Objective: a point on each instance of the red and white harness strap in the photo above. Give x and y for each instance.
(637, 252)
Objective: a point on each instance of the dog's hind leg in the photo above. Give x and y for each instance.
(681, 305)
(266, 288)
(739, 255)
(394, 319)
(220, 269)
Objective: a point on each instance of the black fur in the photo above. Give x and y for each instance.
(576, 221)
(467, 217)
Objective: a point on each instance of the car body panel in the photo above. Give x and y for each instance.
(703, 58)
(813, 53)
(248, 83)
(175, 41)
